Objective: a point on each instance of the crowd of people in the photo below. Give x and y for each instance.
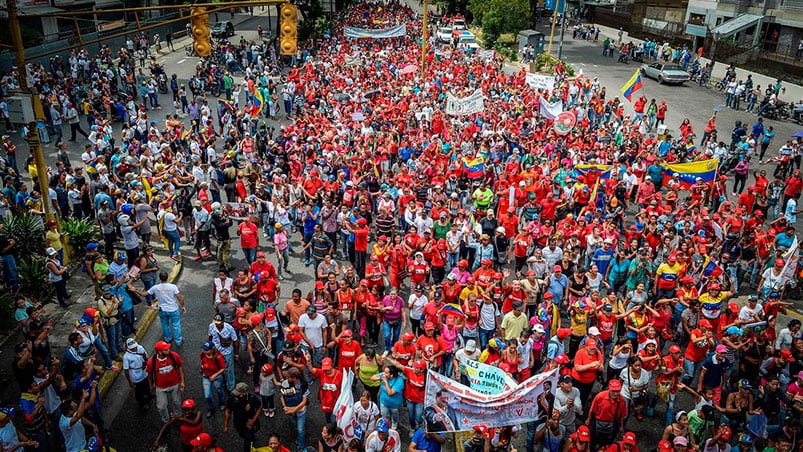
(433, 239)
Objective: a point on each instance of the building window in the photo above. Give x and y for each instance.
(697, 19)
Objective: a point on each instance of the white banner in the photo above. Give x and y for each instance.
(540, 81)
(487, 55)
(465, 106)
(483, 378)
(551, 110)
(467, 407)
(371, 33)
(790, 267)
(344, 410)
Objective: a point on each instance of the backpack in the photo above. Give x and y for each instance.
(220, 176)
(153, 364)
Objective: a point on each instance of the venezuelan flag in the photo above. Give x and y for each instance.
(712, 269)
(474, 168)
(603, 171)
(632, 85)
(148, 189)
(689, 172)
(258, 103)
(453, 310)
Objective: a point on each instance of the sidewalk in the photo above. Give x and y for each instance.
(794, 93)
(64, 320)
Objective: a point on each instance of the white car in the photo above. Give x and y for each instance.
(459, 24)
(467, 40)
(444, 35)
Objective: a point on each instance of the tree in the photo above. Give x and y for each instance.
(500, 16)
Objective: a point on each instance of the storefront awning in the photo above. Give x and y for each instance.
(735, 25)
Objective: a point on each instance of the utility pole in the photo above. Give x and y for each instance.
(39, 114)
(562, 31)
(424, 41)
(552, 31)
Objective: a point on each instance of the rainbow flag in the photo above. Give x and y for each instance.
(689, 172)
(453, 310)
(632, 85)
(474, 168)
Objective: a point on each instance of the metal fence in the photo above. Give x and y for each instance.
(7, 58)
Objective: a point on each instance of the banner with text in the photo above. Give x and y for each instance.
(468, 407)
(374, 33)
(483, 378)
(540, 81)
(466, 105)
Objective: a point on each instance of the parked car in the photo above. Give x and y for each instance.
(223, 29)
(665, 73)
(459, 24)
(444, 35)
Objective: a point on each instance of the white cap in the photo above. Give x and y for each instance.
(471, 346)
(593, 331)
(538, 328)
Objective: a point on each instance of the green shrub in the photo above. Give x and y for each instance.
(79, 233)
(7, 307)
(29, 233)
(34, 281)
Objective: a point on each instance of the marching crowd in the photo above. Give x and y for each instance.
(434, 240)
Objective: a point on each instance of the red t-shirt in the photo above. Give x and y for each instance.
(403, 354)
(605, 324)
(164, 373)
(248, 235)
(347, 354)
(697, 352)
(329, 389)
(361, 239)
(429, 346)
(414, 389)
(211, 364)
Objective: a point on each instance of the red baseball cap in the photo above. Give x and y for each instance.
(202, 440)
(583, 433)
(481, 429)
(629, 438)
(665, 446)
(162, 345)
(319, 285)
(614, 385)
(563, 333)
(704, 323)
(787, 355)
(326, 363)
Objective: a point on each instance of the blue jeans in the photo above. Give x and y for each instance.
(415, 411)
(390, 333)
(392, 414)
(447, 363)
(301, 430)
(485, 336)
(126, 325)
(173, 242)
(114, 337)
(168, 320)
(104, 352)
(217, 384)
(690, 369)
(308, 251)
(148, 284)
(250, 255)
(229, 373)
(10, 272)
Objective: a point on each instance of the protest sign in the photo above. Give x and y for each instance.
(565, 122)
(237, 210)
(484, 378)
(468, 407)
(344, 410)
(371, 33)
(540, 81)
(466, 105)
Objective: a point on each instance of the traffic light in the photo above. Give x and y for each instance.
(288, 33)
(201, 42)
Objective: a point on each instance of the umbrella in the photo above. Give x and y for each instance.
(798, 135)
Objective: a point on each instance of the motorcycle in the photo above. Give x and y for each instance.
(779, 111)
(161, 81)
(190, 50)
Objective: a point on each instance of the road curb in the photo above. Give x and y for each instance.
(144, 324)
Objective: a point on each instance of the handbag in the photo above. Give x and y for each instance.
(662, 390)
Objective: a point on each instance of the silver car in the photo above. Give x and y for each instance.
(665, 73)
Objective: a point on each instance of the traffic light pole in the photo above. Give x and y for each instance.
(39, 115)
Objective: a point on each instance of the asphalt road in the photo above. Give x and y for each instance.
(132, 430)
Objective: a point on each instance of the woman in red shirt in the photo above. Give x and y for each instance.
(588, 362)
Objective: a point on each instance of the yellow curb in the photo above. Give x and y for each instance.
(108, 378)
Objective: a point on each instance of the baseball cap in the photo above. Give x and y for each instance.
(629, 438)
(734, 330)
(557, 268)
(382, 426)
(131, 343)
(787, 355)
(726, 433)
(665, 446)
(189, 403)
(420, 364)
(538, 328)
(563, 333)
(583, 433)
(471, 346)
(240, 389)
(256, 319)
(721, 349)
(744, 383)
(704, 323)
(680, 441)
(311, 310)
(593, 331)
(162, 345)
(208, 345)
(482, 428)
(674, 349)
(202, 440)
(326, 363)
(218, 319)
(429, 326)
(565, 379)
(614, 385)
(591, 342)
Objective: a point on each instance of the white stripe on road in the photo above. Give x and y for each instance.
(181, 61)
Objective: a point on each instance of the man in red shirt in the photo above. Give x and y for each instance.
(347, 350)
(404, 350)
(213, 365)
(431, 346)
(627, 444)
(702, 339)
(607, 411)
(329, 389)
(262, 264)
(166, 378)
(249, 238)
(360, 245)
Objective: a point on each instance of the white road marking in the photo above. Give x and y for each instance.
(181, 61)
